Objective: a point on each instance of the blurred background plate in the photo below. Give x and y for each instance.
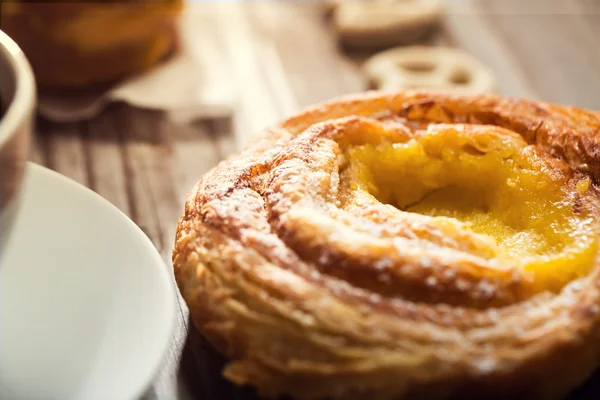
(86, 303)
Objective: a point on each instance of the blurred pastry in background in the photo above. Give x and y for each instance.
(442, 68)
(384, 23)
(75, 45)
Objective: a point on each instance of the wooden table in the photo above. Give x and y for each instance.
(281, 57)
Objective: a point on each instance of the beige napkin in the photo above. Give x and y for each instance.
(189, 85)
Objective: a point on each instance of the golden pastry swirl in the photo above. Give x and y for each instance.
(410, 245)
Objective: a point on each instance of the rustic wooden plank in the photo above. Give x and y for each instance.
(194, 153)
(257, 108)
(277, 80)
(66, 151)
(105, 159)
(38, 152)
(585, 27)
(472, 31)
(588, 14)
(214, 87)
(316, 66)
(146, 159)
(589, 7)
(221, 131)
(553, 64)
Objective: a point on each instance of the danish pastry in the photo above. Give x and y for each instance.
(406, 245)
(74, 45)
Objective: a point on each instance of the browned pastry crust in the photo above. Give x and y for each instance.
(286, 270)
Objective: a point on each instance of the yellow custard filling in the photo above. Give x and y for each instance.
(496, 186)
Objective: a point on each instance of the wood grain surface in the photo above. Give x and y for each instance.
(282, 56)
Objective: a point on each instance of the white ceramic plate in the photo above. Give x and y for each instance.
(87, 305)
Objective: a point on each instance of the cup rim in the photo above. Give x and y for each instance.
(21, 106)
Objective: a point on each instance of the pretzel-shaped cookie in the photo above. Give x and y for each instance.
(383, 23)
(429, 67)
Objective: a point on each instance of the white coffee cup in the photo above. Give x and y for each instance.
(17, 104)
